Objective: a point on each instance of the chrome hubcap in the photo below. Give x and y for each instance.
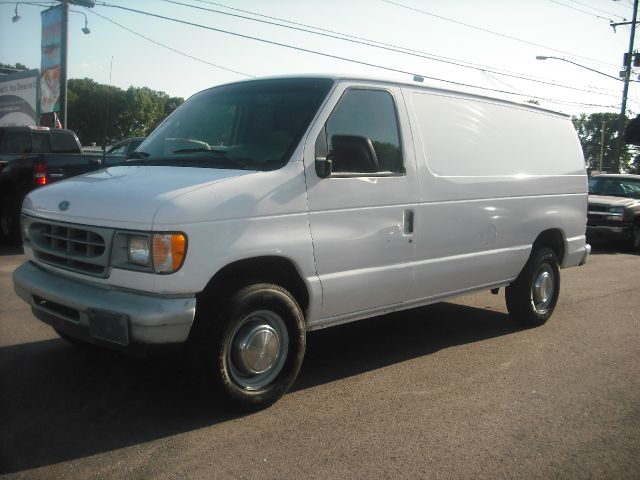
(258, 349)
(542, 289)
(255, 349)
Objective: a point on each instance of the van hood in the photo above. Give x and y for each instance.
(122, 196)
(611, 201)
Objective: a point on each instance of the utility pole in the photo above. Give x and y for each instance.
(106, 126)
(602, 144)
(63, 61)
(617, 158)
(65, 49)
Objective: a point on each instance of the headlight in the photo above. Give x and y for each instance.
(615, 214)
(138, 250)
(149, 252)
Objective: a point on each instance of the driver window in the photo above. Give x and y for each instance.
(362, 135)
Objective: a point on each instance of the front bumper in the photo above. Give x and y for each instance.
(619, 232)
(103, 315)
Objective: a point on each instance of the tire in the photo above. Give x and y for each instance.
(250, 354)
(533, 296)
(9, 221)
(635, 236)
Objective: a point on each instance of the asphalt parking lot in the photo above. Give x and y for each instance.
(453, 390)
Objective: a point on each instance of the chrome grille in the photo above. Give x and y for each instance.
(597, 213)
(598, 208)
(73, 247)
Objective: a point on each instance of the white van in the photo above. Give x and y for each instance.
(264, 209)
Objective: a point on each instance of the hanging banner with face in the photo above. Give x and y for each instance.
(51, 60)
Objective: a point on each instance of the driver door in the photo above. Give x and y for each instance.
(362, 214)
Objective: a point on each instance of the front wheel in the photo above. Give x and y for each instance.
(252, 351)
(532, 297)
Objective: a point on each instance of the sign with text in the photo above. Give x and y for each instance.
(51, 59)
(19, 98)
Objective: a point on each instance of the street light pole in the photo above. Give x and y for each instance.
(617, 158)
(562, 59)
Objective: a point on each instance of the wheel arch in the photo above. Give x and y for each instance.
(553, 239)
(274, 269)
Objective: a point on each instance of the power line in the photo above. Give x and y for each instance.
(554, 101)
(33, 4)
(596, 9)
(578, 104)
(495, 80)
(485, 30)
(432, 56)
(168, 47)
(375, 44)
(336, 57)
(579, 10)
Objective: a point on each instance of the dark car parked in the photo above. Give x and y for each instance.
(614, 208)
(120, 150)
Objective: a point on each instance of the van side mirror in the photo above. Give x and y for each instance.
(324, 166)
(353, 154)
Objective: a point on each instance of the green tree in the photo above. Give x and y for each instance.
(105, 114)
(92, 108)
(7, 68)
(172, 103)
(589, 128)
(144, 110)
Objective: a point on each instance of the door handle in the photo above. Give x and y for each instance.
(408, 221)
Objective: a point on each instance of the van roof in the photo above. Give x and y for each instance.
(427, 85)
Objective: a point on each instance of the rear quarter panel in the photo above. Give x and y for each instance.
(493, 176)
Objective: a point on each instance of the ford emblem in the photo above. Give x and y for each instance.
(63, 205)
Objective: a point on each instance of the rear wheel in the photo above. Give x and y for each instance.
(251, 352)
(532, 297)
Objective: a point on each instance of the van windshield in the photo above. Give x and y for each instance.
(252, 125)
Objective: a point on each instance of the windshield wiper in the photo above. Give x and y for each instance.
(195, 150)
(219, 155)
(137, 155)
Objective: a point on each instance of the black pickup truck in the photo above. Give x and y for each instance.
(31, 157)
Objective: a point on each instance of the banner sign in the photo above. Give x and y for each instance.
(51, 59)
(19, 98)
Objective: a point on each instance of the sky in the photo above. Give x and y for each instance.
(494, 43)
